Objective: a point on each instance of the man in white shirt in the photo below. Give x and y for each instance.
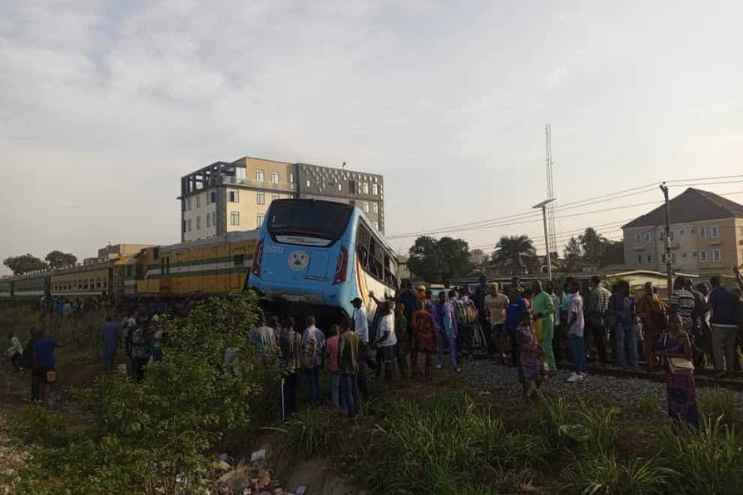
(576, 325)
(360, 321)
(387, 339)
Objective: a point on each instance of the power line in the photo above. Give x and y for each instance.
(531, 216)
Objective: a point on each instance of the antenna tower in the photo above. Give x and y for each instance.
(552, 245)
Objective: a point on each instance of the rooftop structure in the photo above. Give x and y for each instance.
(233, 196)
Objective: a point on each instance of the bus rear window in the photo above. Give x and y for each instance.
(303, 218)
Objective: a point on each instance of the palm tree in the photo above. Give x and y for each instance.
(512, 251)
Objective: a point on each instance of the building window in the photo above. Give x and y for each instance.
(375, 224)
(198, 222)
(650, 258)
(365, 187)
(214, 219)
(234, 196)
(274, 178)
(375, 189)
(308, 183)
(366, 207)
(716, 255)
(260, 198)
(375, 207)
(352, 186)
(208, 220)
(646, 236)
(693, 254)
(639, 259)
(189, 225)
(683, 255)
(714, 232)
(340, 187)
(275, 196)
(188, 204)
(259, 221)
(184, 226)
(213, 196)
(681, 232)
(235, 218)
(702, 255)
(291, 177)
(259, 177)
(198, 201)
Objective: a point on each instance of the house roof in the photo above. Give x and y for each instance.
(691, 205)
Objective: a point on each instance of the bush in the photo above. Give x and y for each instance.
(602, 474)
(155, 436)
(708, 461)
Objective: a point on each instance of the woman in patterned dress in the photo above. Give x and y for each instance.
(675, 349)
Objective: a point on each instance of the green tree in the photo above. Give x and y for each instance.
(439, 260)
(24, 264)
(573, 254)
(58, 259)
(594, 246)
(514, 253)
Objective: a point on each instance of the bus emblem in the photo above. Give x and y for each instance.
(298, 261)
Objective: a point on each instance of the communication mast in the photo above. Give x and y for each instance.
(552, 231)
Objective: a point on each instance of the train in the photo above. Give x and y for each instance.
(215, 266)
(308, 253)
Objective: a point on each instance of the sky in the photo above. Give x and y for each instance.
(104, 105)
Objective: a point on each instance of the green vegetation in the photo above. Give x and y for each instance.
(154, 437)
(720, 403)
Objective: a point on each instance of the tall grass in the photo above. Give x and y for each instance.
(448, 444)
(310, 431)
(603, 474)
(720, 403)
(709, 461)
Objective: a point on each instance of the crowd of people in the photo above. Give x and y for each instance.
(533, 329)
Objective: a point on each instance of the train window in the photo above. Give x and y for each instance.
(238, 259)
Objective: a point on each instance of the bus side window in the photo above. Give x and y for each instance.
(363, 238)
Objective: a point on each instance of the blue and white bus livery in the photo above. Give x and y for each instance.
(322, 254)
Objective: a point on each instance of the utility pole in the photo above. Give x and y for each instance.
(669, 265)
(551, 229)
(543, 206)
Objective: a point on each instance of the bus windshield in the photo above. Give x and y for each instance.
(290, 219)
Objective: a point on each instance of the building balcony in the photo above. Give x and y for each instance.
(254, 184)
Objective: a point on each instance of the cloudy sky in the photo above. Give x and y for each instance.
(105, 105)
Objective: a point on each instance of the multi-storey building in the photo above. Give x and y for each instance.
(230, 196)
(706, 235)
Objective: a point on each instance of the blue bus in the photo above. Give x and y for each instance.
(320, 255)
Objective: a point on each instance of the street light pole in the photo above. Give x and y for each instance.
(543, 207)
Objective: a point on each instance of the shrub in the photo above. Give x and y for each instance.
(602, 474)
(155, 436)
(708, 461)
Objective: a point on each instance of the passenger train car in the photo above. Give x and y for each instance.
(215, 266)
(321, 254)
